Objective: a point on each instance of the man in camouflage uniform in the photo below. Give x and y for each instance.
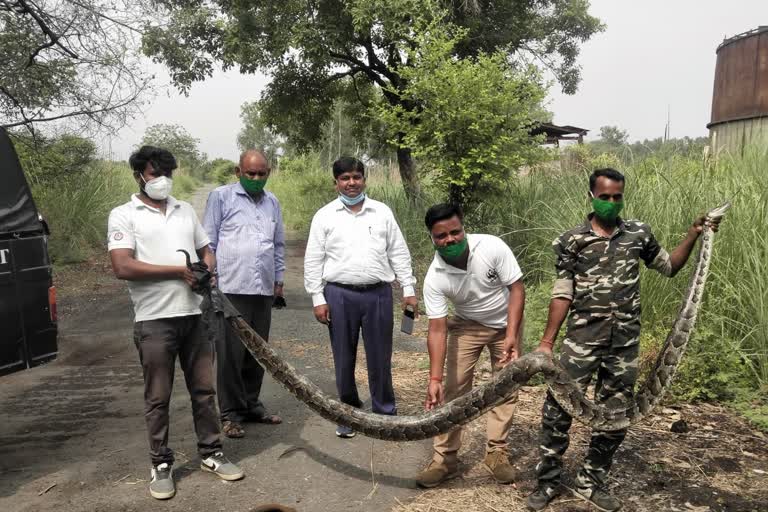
(598, 282)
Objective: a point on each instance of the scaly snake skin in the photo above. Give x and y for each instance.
(506, 381)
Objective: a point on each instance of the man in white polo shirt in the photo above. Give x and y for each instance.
(481, 277)
(144, 236)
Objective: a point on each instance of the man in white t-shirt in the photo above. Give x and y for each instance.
(144, 236)
(481, 277)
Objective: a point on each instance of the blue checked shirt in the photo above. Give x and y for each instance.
(248, 239)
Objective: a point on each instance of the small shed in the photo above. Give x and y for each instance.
(555, 133)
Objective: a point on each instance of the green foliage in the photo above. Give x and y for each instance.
(467, 120)
(613, 136)
(48, 158)
(712, 369)
(753, 404)
(184, 185)
(668, 194)
(302, 184)
(255, 133)
(178, 141)
(221, 171)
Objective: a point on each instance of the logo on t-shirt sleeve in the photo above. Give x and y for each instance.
(117, 236)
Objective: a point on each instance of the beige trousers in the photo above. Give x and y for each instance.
(466, 341)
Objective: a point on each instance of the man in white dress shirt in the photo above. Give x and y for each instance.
(354, 252)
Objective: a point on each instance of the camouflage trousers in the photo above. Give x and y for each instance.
(616, 369)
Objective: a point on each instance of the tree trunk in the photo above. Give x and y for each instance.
(408, 174)
(456, 194)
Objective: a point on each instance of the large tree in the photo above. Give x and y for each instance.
(77, 60)
(311, 47)
(178, 141)
(256, 134)
(472, 125)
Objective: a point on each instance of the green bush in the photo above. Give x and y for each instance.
(184, 185)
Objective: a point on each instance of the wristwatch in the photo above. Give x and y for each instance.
(278, 283)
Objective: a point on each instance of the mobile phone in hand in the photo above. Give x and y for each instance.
(406, 325)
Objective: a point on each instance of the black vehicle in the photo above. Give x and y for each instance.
(27, 295)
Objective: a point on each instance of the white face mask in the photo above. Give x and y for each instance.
(158, 188)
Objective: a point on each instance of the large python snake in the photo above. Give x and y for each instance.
(217, 309)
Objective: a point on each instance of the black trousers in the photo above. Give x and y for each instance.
(159, 342)
(239, 376)
(368, 311)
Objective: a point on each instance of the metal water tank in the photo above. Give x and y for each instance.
(740, 97)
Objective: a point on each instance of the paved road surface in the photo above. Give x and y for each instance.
(72, 434)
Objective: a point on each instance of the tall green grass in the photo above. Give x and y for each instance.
(668, 194)
(729, 351)
(76, 209)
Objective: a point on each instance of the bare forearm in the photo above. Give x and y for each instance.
(436, 345)
(135, 270)
(515, 311)
(679, 256)
(558, 311)
(208, 257)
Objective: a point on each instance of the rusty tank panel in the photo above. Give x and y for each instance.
(740, 96)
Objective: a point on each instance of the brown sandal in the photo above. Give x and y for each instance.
(232, 429)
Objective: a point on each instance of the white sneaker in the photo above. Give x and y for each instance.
(161, 486)
(220, 466)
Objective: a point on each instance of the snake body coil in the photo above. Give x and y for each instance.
(508, 380)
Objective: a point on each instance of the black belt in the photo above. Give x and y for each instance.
(360, 287)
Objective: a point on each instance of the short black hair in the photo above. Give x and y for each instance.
(442, 211)
(347, 164)
(606, 172)
(161, 159)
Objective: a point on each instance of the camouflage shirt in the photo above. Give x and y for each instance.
(601, 276)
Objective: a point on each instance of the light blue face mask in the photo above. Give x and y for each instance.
(352, 201)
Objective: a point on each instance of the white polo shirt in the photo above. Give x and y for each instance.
(479, 293)
(155, 238)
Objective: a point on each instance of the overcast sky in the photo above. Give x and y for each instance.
(653, 56)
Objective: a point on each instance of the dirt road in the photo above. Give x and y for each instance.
(73, 435)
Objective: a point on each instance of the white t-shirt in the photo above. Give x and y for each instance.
(479, 293)
(155, 238)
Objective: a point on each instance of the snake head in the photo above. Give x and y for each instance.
(719, 212)
(186, 254)
(200, 270)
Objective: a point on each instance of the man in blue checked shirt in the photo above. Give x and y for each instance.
(245, 225)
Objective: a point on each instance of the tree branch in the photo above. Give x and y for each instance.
(45, 28)
(361, 65)
(89, 113)
(101, 15)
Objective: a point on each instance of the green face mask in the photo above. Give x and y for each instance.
(452, 251)
(606, 210)
(252, 186)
